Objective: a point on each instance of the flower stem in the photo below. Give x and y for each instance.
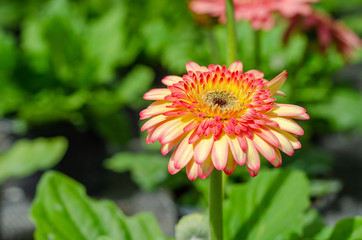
(213, 46)
(215, 205)
(231, 52)
(257, 47)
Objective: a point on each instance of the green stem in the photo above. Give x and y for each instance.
(293, 77)
(257, 47)
(231, 52)
(213, 46)
(215, 205)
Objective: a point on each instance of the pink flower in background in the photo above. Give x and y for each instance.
(217, 118)
(258, 12)
(327, 32)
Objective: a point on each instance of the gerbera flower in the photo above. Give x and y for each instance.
(326, 31)
(219, 117)
(258, 12)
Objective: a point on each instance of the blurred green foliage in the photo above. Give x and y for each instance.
(62, 210)
(28, 156)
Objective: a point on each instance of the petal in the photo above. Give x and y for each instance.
(166, 148)
(280, 93)
(171, 168)
(163, 127)
(277, 82)
(205, 169)
(237, 152)
(268, 136)
(286, 110)
(288, 125)
(285, 145)
(220, 152)
(203, 148)
(304, 116)
(252, 156)
(278, 159)
(191, 170)
(257, 74)
(264, 148)
(292, 139)
(183, 153)
(231, 165)
(157, 94)
(154, 121)
(236, 66)
(194, 67)
(155, 108)
(174, 130)
(242, 142)
(169, 80)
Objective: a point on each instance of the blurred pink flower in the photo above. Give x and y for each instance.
(218, 117)
(258, 12)
(327, 32)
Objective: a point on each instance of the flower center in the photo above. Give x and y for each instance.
(221, 98)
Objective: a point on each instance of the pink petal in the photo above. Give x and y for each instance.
(191, 170)
(154, 121)
(155, 108)
(278, 159)
(220, 152)
(230, 166)
(288, 125)
(157, 94)
(169, 80)
(304, 116)
(287, 110)
(257, 74)
(166, 148)
(236, 66)
(237, 152)
(277, 82)
(203, 148)
(183, 153)
(264, 148)
(205, 169)
(252, 156)
(174, 129)
(171, 168)
(285, 145)
(268, 136)
(194, 67)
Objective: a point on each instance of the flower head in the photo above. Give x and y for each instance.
(327, 32)
(220, 117)
(258, 12)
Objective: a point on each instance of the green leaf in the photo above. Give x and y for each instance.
(28, 156)
(193, 226)
(347, 229)
(270, 206)
(148, 170)
(312, 224)
(135, 84)
(62, 210)
(340, 110)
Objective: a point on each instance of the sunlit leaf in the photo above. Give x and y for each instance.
(148, 170)
(62, 210)
(270, 206)
(28, 156)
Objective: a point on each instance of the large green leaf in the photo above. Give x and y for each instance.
(148, 170)
(28, 156)
(62, 210)
(347, 229)
(270, 206)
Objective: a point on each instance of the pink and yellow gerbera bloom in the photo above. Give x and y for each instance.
(218, 117)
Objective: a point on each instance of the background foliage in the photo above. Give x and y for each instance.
(80, 69)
